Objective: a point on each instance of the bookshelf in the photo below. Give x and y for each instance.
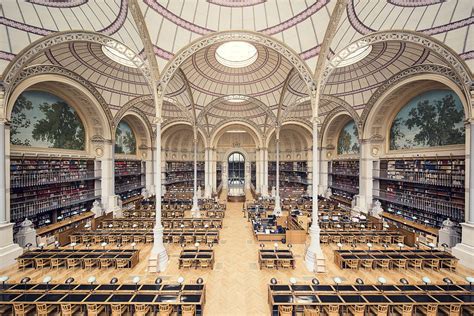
(253, 173)
(344, 179)
(425, 191)
(218, 173)
(293, 177)
(180, 176)
(49, 190)
(129, 178)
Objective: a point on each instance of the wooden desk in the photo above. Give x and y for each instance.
(196, 257)
(361, 236)
(278, 257)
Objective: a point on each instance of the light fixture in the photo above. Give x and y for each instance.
(470, 280)
(73, 244)
(400, 245)
(382, 280)
(28, 246)
(41, 246)
(369, 245)
(196, 245)
(426, 280)
(4, 279)
(339, 245)
(133, 244)
(432, 246)
(120, 54)
(104, 244)
(338, 281)
(448, 281)
(275, 245)
(136, 280)
(315, 281)
(293, 280)
(359, 281)
(158, 281)
(46, 281)
(353, 54)
(180, 280)
(24, 281)
(91, 280)
(273, 281)
(114, 280)
(236, 54)
(445, 246)
(111, 225)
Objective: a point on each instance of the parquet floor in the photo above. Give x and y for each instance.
(236, 286)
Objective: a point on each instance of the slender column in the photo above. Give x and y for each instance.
(109, 199)
(323, 171)
(364, 201)
(3, 175)
(314, 252)
(149, 172)
(264, 155)
(277, 209)
(158, 251)
(214, 170)
(258, 169)
(309, 190)
(207, 172)
(195, 208)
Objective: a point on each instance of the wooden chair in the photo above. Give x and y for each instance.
(45, 309)
(165, 310)
(375, 239)
(41, 263)
(72, 263)
(432, 263)
(138, 239)
(148, 239)
(399, 263)
(186, 263)
(112, 239)
(177, 239)
(118, 309)
(122, 263)
(324, 239)
(383, 264)
(97, 239)
(70, 309)
(404, 310)
(387, 239)
(56, 263)
(23, 309)
(450, 264)
(379, 310)
(188, 239)
(362, 239)
(286, 264)
(428, 310)
(468, 310)
(105, 263)
(270, 264)
(451, 310)
(366, 263)
(126, 239)
(357, 310)
(24, 263)
(205, 263)
(331, 310)
(311, 311)
(95, 309)
(188, 310)
(141, 309)
(352, 264)
(89, 263)
(6, 310)
(336, 239)
(284, 310)
(415, 263)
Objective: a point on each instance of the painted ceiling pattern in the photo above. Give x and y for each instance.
(201, 80)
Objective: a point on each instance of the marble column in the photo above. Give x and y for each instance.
(158, 256)
(207, 173)
(195, 208)
(110, 201)
(8, 250)
(149, 172)
(364, 200)
(323, 172)
(264, 174)
(277, 209)
(314, 255)
(464, 250)
(258, 169)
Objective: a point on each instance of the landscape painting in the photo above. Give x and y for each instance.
(125, 142)
(431, 119)
(41, 119)
(348, 141)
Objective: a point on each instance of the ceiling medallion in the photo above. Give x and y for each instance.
(236, 54)
(236, 98)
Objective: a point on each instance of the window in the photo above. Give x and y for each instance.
(236, 175)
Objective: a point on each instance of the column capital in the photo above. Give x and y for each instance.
(316, 120)
(157, 120)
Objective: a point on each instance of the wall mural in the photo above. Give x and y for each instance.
(348, 141)
(434, 118)
(125, 142)
(41, 119)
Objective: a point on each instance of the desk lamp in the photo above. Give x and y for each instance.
(69, 282)
(290, 246)
(56, 244)
(28, 246)
(4, 279)
(200, 281)
(369, 245)
(400, 246)
(73, 244)
(46, 281)
(119, 245)
(134, 225)
(315, 281)
(91, 280)
(41, 246)
(111, 225)
(262, 246)
(338, 281)
(470, 280)
(136, 280)
(382, 281)
(133, 244)
(25, 280)
(273, 281)
(180, 281)
(339, 245)
(196, 245)
(426, 280)
(275, 245)
(432, 246)
(113, 281)
(448, 281)
(104, 244)
(445, 246)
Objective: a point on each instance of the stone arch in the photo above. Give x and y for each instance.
(251, 129)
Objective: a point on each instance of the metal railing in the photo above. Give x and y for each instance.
(34, 178)
(432, 177)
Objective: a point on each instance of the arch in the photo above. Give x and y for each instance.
(14, 68)
(343, 104)
(96, 115)
(303, 125)
(330, 119)
(457, 65)
(218, 37)
(140, 124)
(188, 125)
(219, 131)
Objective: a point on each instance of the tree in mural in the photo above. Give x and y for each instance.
(125, 142)
(20, 121)
(437, 122)
(118, 142)
(395, 133)
(355, 145)
(61, 126)
(129, 142)
(344, 142)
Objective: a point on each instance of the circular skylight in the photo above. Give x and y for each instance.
(118, 56)
(353, 56)
(236, 54)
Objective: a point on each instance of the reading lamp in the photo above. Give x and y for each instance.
(273, 281)
(338, 281)
(4, 279)
(46, 281)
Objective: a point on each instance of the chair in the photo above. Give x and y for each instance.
(112, 239)
(105, 263)
(387, 239)
(188, 310)
(177, 239)
(415, 263)
(186, 263)
(428, 310)
(141, 309)
(148, 238)
(399, 263)
(24, 263)
(72, 263)
(56, 263)
(118, 309)
(432, 263)
(23, 309)
(362, 239)
(450, 264)
(126, 239)
(451, 310)
(285, 263)
(138, 239)
(383, 264)
(352, 264)
(270, 264)
(70, 309)
(122, 263)
(45, 309)
(285, 310)
(331, 310)
(366, 263)
(165, 310)
(404, 310)
(89, 263)
(95, 309)
(311, 311)
(379, 310)
(41, 263)
(205, 263)
(324, 239)
(357, 310)
(188, 239)
(97, 239)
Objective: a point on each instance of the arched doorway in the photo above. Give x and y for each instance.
(236, 175)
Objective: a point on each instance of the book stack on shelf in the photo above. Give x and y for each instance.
(180, 176)
(129, 178)
(344, 180)
(293, 177)
(49, 190)
(426, 191)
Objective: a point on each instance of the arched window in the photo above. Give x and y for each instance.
(41, 119)
(236, 169)
(433, 118)
(125, 141)
(348, 141)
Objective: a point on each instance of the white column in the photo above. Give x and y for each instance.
(109, 199)
(364, 201)
(264, 174)
(207, 173)
(314, 254)
(214, 170)
(149, 172)
(277, 209)
(323, 171)
(158, 252)
(195, 208)
(8, 250)
(258, 169)
(464, 251)
(310, 173)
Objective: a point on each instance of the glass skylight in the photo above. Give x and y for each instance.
(118, 56)
(354, 56)
(236, 54)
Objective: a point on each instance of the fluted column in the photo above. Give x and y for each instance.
(3, 175)
(264, 174)
(277, 209)
(364, 202)
(158, 251)
(207, 173)
(149, 171)
(258, 169)
(195, 208)
(109, 199)
(314, 252)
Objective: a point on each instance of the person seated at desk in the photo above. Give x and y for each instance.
(325, 218)
(280, 229)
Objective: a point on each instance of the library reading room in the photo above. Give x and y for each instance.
(237, 157)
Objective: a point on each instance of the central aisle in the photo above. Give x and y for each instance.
(237, 287)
